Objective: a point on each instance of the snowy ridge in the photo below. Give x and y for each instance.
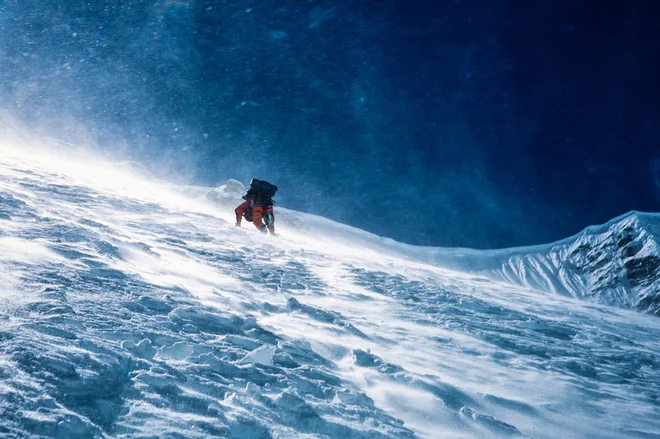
(616, 264)
(131, 311)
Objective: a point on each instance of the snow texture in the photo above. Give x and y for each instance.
(131, 309)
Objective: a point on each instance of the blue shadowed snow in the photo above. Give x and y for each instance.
(132, 308)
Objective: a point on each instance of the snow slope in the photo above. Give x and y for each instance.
(131, 309)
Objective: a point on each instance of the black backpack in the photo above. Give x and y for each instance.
(260, 188)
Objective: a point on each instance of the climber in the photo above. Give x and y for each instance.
(258, 206)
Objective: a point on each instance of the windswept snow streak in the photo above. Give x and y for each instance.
(142, 314)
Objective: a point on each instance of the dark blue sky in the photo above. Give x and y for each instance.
(484, 123)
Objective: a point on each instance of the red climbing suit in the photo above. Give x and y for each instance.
(259, 213)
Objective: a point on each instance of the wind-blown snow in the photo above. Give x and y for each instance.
(133, 308)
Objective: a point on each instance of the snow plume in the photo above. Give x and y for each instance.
(70, 164)
(134, 308)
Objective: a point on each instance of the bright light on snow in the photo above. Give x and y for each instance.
(134, 308)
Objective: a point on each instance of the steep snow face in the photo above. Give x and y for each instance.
(129, 309)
